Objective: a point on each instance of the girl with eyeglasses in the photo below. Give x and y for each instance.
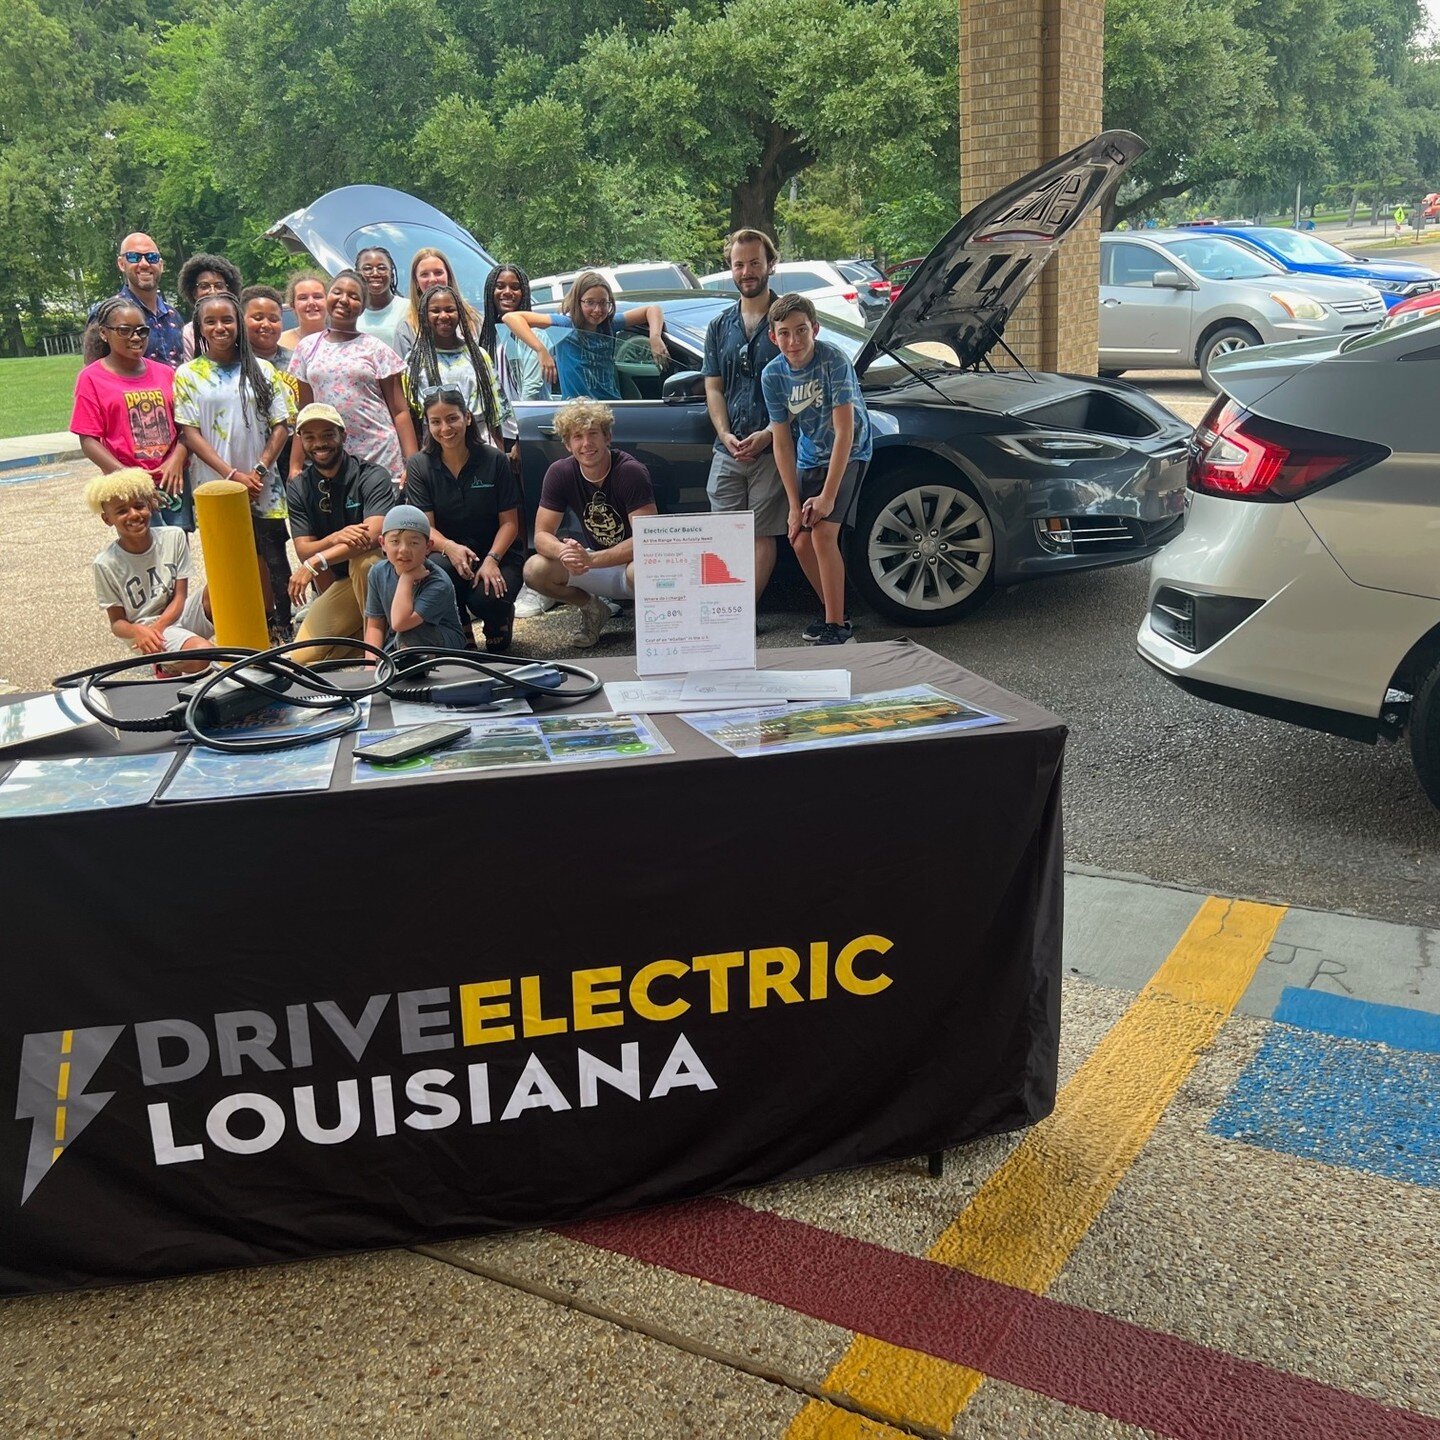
(233, 415)
(581, 354)
(203, 275)
(472, 500)
(124, 411)
(385, 307)
(447, 353)
(305, 295)
(360, 376)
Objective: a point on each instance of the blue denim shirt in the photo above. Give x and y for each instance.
(738, 360)
(167, 327)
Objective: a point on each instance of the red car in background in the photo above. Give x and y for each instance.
(1417, 307)
(897, 275)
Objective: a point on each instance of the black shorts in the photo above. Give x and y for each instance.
(812, 482)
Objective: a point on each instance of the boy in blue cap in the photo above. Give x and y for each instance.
(409, 600)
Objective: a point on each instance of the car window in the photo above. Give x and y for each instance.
(1307, 250)
(802, 280)
(657, 277)
(1217, 259)
(1135, 265)
(722, 283)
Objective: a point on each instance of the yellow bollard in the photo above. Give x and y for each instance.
(232, 566)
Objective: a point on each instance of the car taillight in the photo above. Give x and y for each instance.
(1245, 457)
(880, 287)
(851, 295)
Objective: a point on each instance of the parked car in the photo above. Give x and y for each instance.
(1418, 307)
(978, 477)
(872, 289)
(639, 275)
(1175, 298)
(1396, 280)
(831, 293)
(1306, 585)
(898, 275)
(335, 228)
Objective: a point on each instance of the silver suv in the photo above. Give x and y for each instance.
(1170, 299)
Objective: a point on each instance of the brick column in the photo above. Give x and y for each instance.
(1031, 84)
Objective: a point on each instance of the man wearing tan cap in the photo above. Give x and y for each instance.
(337, 503)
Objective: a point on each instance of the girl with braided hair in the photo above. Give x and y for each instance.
(203, 275)
(447, 352)
(124, 412)
(233, 415)
(516, 364)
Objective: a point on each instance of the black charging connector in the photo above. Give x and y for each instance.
(488, 692)
(230, 699)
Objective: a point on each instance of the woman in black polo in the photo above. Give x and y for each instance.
(467, 490)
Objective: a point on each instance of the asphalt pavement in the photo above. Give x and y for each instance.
(1227, 1227)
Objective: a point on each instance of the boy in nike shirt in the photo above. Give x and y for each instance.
(821, 433)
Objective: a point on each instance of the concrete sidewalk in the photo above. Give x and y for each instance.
(1227, 1227)
(33, 452)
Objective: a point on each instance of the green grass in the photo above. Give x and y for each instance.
(36, 395)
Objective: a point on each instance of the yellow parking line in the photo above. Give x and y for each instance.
(1027, 1218)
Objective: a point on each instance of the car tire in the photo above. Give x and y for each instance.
(1425, 732)
(1224, 341)
(923, 548)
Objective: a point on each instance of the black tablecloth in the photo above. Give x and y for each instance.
(255, 1029)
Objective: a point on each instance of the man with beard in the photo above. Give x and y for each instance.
(738, 347)
(336, 503)
(139, 261)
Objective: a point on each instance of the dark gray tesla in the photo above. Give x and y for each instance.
(979, 477)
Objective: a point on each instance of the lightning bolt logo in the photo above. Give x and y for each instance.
(55, 1068)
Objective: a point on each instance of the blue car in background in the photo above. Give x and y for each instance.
(1396, 280)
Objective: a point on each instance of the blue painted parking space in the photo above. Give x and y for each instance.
(1345, 1082)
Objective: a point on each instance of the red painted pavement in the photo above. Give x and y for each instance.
(1076, 1356)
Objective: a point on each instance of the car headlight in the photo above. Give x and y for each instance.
(1390, 287)
(1298, 307)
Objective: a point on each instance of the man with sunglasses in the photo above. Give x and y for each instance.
(737, 348)
(337, 503)
(140, 263)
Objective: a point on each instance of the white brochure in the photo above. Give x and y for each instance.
(694, 593)
(717, 689)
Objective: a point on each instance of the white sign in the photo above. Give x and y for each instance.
(694, 593)
(717, 688)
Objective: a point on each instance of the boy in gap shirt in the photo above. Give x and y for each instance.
(811, 390)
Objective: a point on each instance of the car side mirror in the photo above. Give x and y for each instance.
(683, 388)
(1170, 280)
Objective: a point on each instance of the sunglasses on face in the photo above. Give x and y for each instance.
(126, 331)
(134, 257)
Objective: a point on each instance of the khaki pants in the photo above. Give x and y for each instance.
(340, 610)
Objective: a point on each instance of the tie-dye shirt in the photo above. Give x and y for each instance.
(207, 396)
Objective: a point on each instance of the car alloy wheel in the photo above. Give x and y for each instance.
(1224, 342)
(924, 549)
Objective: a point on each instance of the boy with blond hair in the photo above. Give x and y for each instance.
(142, 577)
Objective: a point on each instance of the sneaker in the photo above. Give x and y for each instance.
(530, 603)
(499, 640)
(593, 617)
(613, 606)
(813, 632)
(834, 635)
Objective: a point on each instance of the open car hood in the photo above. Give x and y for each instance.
(342, 222)
(962, 293)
